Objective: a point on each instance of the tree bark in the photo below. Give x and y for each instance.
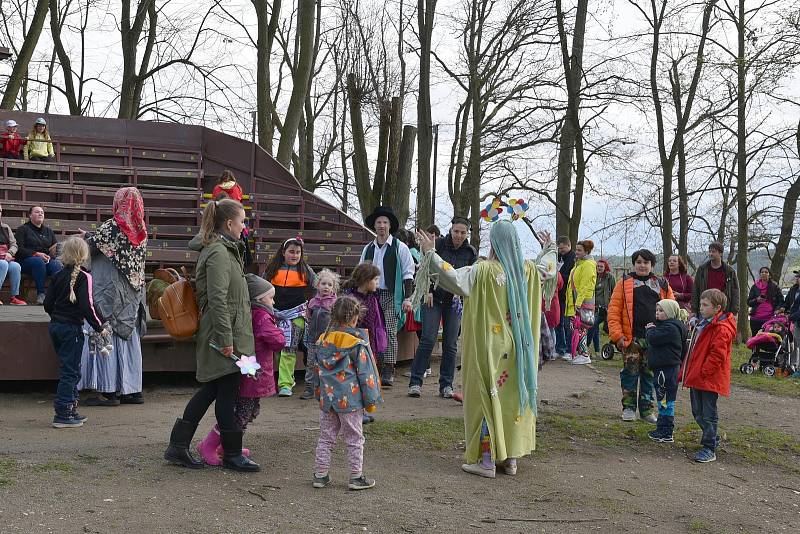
(130, 33)
(306, 31)
(395, 140)
(566, 224)
(788, 215)
(360, 162)
(63, 58)
(265, 107)
(404, 175)
(425, 18)
(384, 132)
(20, 70)
(742, 267)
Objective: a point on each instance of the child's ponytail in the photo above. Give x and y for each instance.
(72, 279)
(74, 252)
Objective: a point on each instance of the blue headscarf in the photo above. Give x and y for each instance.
(507, 249)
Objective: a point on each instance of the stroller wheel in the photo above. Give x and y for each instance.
(743, 368)
(607, 353)
(768, 370)
(748, 369)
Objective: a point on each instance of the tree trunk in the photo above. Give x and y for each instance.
(571, 128)
(425, 17)
(360, 162)
(404, 174)
(395, 139)
(63, 58)
(265, 108)
(788, 216)
(306, 30)
(384, 131)
(20, 70)
(742, 267)
(130, 33)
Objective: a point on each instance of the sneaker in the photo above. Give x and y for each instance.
(650, 418)
(65, 422)
(629, 414)
(366, 418)
(458, 397)
(660, 437)
(428, 372)
(447, 392)
(508, 467)
(40, 299)
(16, 301)
(285, 392)
(705, 456)
(360, 483)
(581, 359)
(567, 357)
(75, 415)
(478, 469)
(307, 394)
(414, 391)
(321, 482)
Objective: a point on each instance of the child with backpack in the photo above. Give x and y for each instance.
(666, 342)
(294, 282)
(707, 368)
(317, 319)
(268, 338)
(349, 384)
(68, 301)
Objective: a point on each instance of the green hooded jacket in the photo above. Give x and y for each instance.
(224, 305)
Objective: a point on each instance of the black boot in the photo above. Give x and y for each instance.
(232, 457)
(387, 376)
(179, 441)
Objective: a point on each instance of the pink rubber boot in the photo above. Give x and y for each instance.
(245, 452)
(209, 447)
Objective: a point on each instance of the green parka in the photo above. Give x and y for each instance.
(224, 305)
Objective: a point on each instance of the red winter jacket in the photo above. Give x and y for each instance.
(553, 315)
(11, 144)
(708, 365)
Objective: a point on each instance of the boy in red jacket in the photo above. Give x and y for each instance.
(707, 368)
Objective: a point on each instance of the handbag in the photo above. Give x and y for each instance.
(586, 310)
(178, 310)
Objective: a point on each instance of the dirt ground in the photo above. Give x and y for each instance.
(592, 474)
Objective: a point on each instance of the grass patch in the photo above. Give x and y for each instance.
(776, 385)
(757, 446)
(699, 525)
(7, 465)
(88, 459)
(439, 433)
(48, 467)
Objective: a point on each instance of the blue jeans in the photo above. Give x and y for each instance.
(593, 337)
(564, 336)
(704, 410)
(68, 342)
(665, 380)
(447, 314)
(39, 270)
(13, 270)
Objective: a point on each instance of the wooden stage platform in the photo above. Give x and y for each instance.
(26, 352)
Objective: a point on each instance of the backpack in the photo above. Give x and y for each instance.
(178, 310)
(162, 278)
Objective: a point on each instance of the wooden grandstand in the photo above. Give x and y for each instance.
(175, 167)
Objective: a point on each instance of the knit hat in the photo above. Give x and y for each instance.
(672, 309)
(257, 287)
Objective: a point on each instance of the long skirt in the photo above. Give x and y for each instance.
(119, 372)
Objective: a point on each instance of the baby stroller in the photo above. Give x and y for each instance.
(772, 348)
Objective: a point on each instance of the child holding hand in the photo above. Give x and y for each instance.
(318, 318)
(707, 368)
(349, 384)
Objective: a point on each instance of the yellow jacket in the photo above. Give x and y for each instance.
(39, 145)
(582, 280)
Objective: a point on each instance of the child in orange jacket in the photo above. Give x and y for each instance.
(707, 368)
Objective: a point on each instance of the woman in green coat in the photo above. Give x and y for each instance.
(225, 330)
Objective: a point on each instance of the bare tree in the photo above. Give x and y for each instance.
(19, 73)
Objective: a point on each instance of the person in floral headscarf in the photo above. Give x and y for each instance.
(119, 248)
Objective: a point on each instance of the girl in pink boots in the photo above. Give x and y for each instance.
(269, 339)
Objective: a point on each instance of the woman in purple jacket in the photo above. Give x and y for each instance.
(679, 280)
(269, 339)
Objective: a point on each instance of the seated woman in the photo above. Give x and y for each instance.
(36, 250)
(9, 267)
(39, 146)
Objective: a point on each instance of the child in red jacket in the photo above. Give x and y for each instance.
(707, 368)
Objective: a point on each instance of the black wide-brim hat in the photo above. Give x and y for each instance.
(383, 211)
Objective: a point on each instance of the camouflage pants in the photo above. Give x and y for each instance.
(636, 375)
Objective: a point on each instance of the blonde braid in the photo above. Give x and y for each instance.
(72, 279)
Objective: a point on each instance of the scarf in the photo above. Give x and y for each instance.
(129, 214)
(115, 245)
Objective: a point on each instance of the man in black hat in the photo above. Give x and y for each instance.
(396, 283)
(443, 308)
